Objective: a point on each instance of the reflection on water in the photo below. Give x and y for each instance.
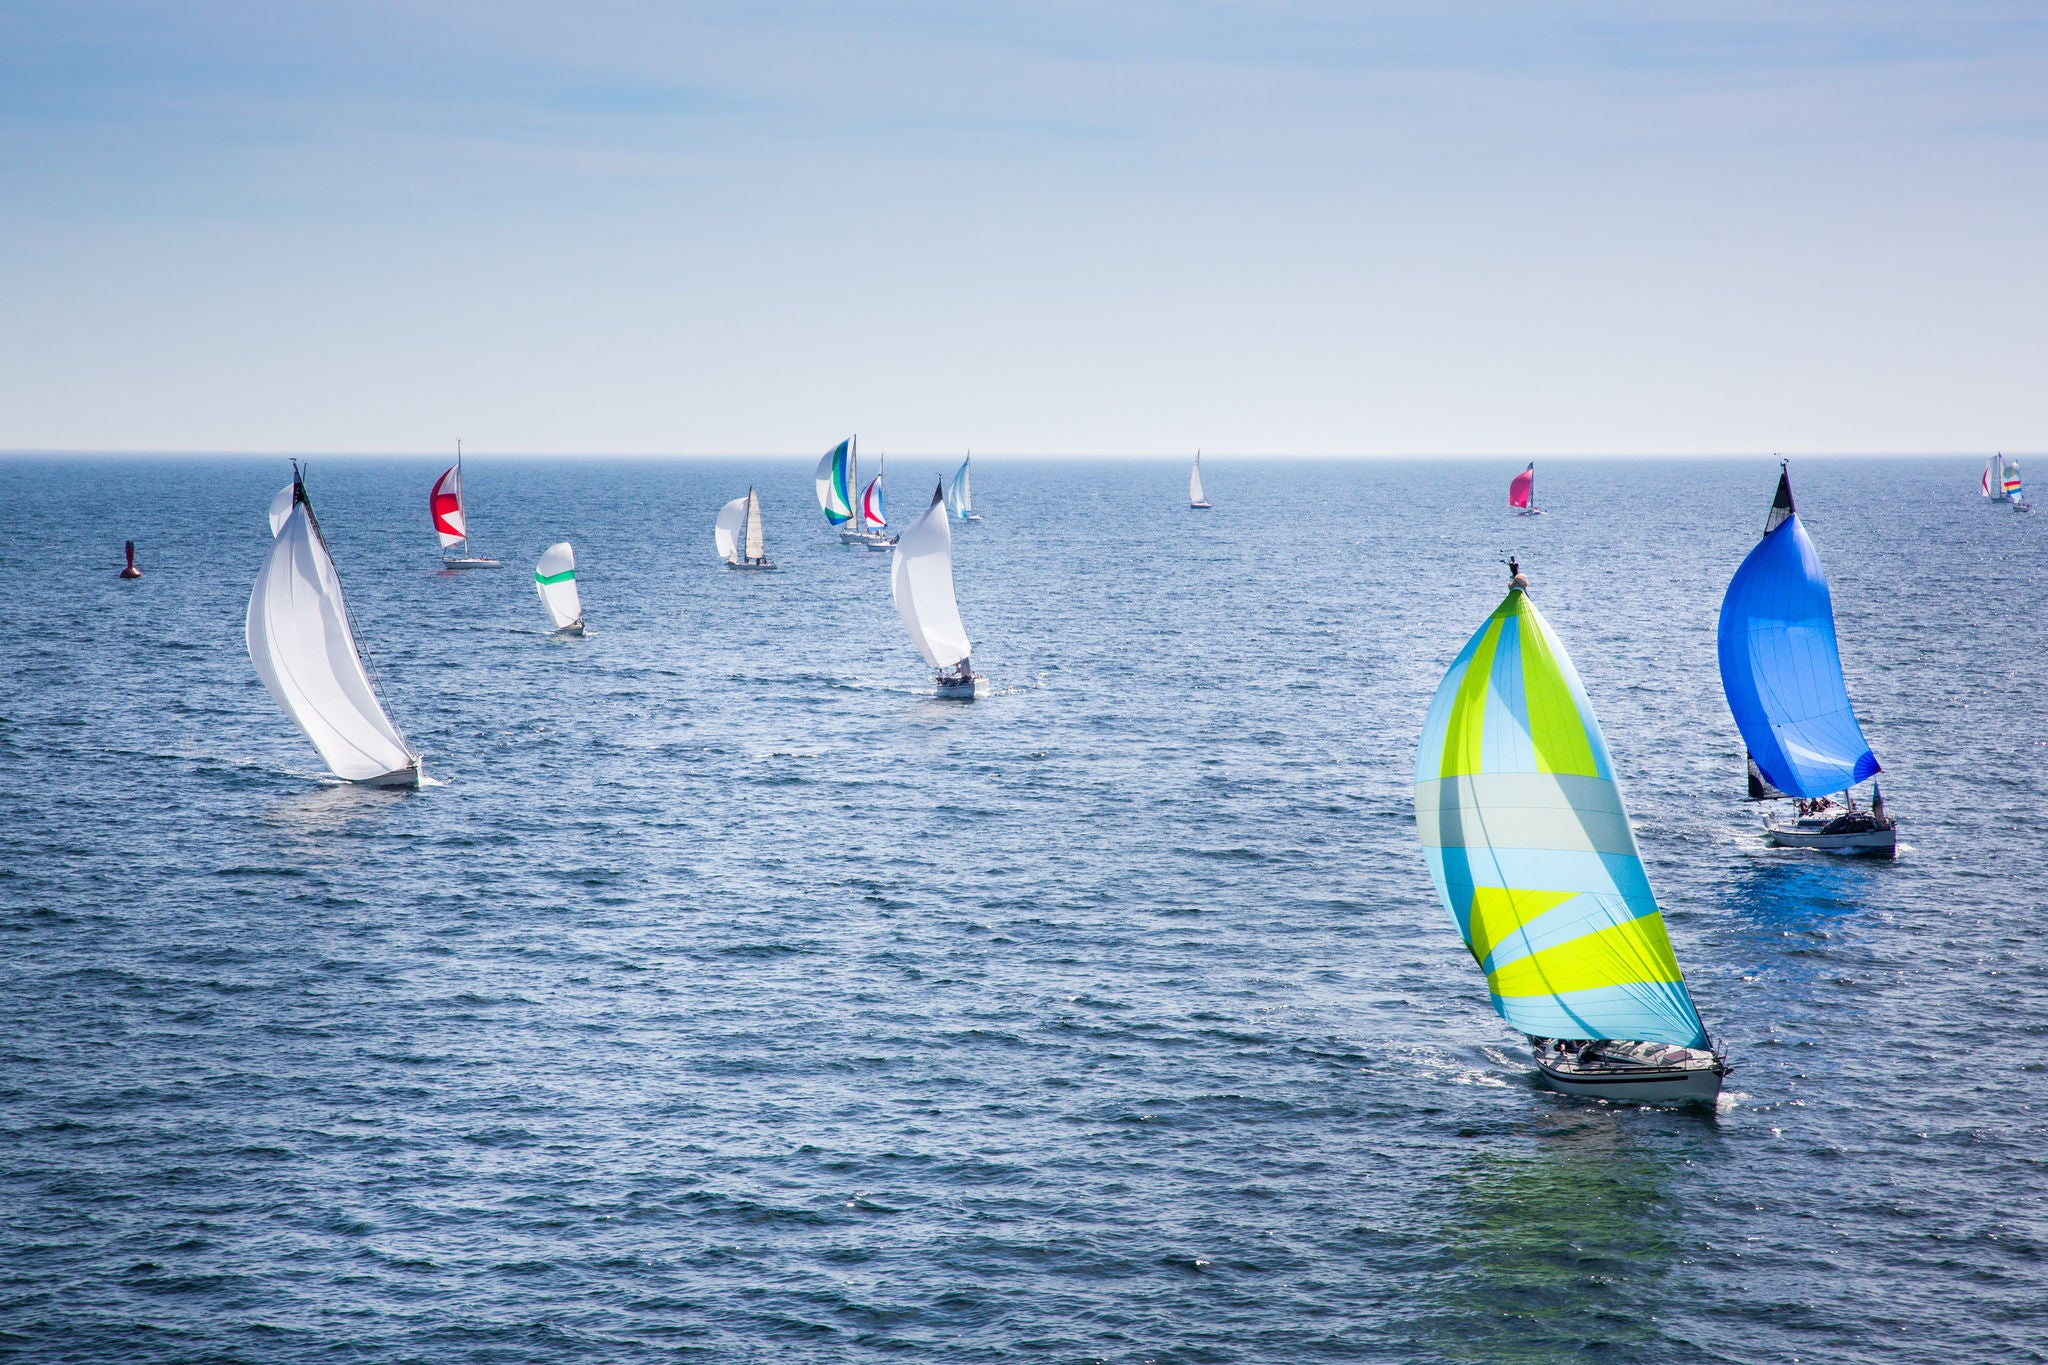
(1562, 1252)
(334, 807)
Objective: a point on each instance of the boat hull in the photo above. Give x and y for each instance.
(407, 778)
(1881, 842)
(755, 565)
(573, 628)
(965, 689)
(471, 562)
(1688, 1075)
(1201, 506)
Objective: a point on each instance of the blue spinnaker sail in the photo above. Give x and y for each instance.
(1781, 669)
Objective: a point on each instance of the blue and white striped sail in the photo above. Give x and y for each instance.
(1531, 848)
(1781, 669)
(960, 493)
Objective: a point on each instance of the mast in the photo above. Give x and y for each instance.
(461, 501)
(860, 516)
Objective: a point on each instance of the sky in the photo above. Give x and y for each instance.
(1114, 227)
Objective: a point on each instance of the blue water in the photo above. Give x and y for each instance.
(734, 1001)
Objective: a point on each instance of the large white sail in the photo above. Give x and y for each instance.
(300, 641)
(554, 578)
(921, 580)
(726, 531)
(754, 545)
(280, 509)
(1195, 480)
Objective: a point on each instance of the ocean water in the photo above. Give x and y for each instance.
(735, 1001)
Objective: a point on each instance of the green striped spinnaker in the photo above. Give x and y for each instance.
(1531, 848)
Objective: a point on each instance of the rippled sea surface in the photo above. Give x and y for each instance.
(736, 1001)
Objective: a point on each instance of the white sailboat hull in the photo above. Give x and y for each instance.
(1634, 1073)
(1881, 841)
(1202, 506)
(882, 546)
(963, 689)
(470, 562)
(851, 537)
(573, 628)
(755, 564)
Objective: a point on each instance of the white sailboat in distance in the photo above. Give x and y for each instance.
(451, 521)
(554, 578)
(1195, 498)
(304, 645)
(737, 534)
(921, 581)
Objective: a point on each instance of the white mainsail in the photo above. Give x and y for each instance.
(921, 581)
(754, 546)
(1195, 480)
(554, 578)
(726, 531)
(301, 642)
(280, 510)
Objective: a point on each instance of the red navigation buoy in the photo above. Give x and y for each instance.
(131, 571)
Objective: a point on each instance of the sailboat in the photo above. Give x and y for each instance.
(960, 493)
(921, 581)
(1781, 671)
(1993, 485)
(1195, 498)
(738, 534)
(838, 480)
(554, 578)
(1531, 850)
(871, 511)
(2014, 493)
(451, 523)
(304, 645)
(1522, 492)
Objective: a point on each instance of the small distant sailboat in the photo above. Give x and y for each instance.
(921, 581)
(451, 522)
(1195, 498)
(1781, 671)
(1531, 850)
(554, 578)
(2014, 492)
(1993, 485)
(1522, 492)
(960, 493)
(838, 482)
(130, 571)
(304, 645)
(738, 534)
(871, 511)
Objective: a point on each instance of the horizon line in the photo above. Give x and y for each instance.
(81, 452)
